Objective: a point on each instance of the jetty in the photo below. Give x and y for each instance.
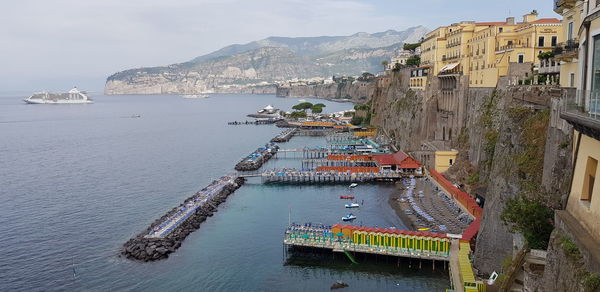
(166, 234)
(368, 240)
(257, 158)
(304, 176)
(285, 136)
(257, 122)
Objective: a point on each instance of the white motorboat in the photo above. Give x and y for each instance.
(353, 185)
(348, 217)
(352, 205)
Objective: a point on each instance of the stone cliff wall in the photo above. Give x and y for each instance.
(501, 134)
(358, 91)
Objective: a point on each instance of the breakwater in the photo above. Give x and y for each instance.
(166, 234)
(257, 158)
(285, 136)
(257, 122)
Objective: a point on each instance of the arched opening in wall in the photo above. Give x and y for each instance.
(443, 133)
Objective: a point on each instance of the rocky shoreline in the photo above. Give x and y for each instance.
(147, 249)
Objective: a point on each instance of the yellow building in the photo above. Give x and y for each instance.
(433, 49)
(568, 52)
(418, 78)
(583, 113)
(444, 159)
(484, 50)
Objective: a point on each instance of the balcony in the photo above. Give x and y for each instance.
(566, 51)
(500, 49)
(560, 5)
(549, 66)
(582, 110)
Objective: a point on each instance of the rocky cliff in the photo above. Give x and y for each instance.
(267, 61)
(357, 91)
(501, 133)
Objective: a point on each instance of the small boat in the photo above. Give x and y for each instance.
(136, 116)
(348, 217)
(353, 185)
(347, 197)
(423, 229)
(352, 205)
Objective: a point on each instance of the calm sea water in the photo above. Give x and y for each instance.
(77, 181)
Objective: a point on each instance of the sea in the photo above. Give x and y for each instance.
(77, 181)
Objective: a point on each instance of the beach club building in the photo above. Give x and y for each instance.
(398, 161)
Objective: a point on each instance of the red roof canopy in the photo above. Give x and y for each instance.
(400, 159)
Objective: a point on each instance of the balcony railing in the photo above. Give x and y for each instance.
(583, 104)
(567, 49)
(508, 47)
(559, 5)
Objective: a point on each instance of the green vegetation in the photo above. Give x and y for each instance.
(463, 138)
(411, 47)
(491, 138)
(348, 114)
(356, 120)
(414, 61)
(302, 106)
(591, 282)
(298, 114)
(384, 64)
(397, 67)
(570, 248)
(473, 179)
(317, 108)
(531, 218)
(564, 144)
(530, 161)
(361, 107)
(546, 55)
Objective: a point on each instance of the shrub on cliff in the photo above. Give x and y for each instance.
(531, 218)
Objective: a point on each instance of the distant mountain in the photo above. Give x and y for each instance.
(268, 60)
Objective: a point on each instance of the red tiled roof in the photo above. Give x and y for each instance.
(390, 159)
(410, 163)
(490, 23)
(547, 20)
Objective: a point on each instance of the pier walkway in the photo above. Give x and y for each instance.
(390, 242)
(190, 206)
(299, 176)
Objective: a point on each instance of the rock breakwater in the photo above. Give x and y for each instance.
(145, 247)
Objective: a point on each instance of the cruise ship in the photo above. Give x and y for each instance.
(73, 96)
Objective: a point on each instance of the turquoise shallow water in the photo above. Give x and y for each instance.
(77, 181)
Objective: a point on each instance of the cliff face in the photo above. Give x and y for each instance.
(501, 134)
(266, 61)
(358, 91)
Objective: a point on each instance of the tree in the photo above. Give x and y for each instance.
(361, 107)
(384, 64)
(411, 47)
(302, 106)
(298, 114)
(316, 109)
(413, 61)
(531, 218)
(397, 67)
(356, 120)
(546, 55)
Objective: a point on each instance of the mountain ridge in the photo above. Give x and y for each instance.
(272, 59)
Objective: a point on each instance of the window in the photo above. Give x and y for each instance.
(554, 41)
(570, 31)
(521, 59)
(541, 41)
(589, 179)
(571, 79)
(451, 161)
(596, 65)
(500, 29)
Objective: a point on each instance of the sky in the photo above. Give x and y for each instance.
(57, 44)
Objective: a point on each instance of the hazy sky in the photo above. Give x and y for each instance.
(55, 44)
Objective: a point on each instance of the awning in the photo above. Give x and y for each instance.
(449, 67)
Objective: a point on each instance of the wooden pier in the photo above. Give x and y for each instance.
(389, 242)
(315, 163)
(298, 176)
